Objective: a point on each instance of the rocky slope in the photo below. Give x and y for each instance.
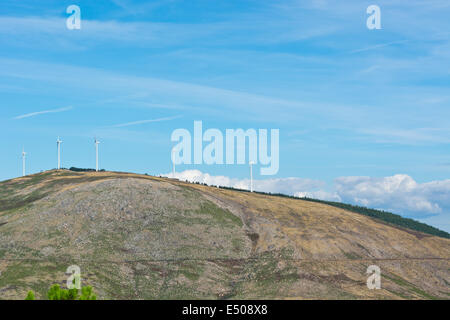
(141, 237)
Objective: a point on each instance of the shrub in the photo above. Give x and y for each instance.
(30, 295)
(56, 293)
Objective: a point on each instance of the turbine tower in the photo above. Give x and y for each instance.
(251, 175)
(58, 143)
(96, 153)
(23, 162)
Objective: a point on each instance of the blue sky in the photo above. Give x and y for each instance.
(349, 101)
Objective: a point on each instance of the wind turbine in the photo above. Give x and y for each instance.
(58, 143)
(96, 153)
(251, 176)
(23, 162)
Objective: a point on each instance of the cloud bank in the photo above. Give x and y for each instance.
(276, 185)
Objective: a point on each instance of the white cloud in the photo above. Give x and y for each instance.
(279, 185)
(399, 193)
(320, 194)
(158, 34)
(190, 96)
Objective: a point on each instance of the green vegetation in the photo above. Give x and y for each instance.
(75, 169)
(56, 293)
(409, 286)
(220, 215)
(352, 255)
(30, 295)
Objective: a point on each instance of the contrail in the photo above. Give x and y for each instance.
(381, 45)
(28, 115)
(144, 121)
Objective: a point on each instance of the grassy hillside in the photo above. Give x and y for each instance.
(142, 237)
(385, 216)
(388, 217)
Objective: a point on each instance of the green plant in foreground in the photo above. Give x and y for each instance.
(56, 293)
(30, 295)
(87, 293)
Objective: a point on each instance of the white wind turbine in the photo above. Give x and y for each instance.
(23, 162)
(96, 153)
(251, 175)
(58, 143)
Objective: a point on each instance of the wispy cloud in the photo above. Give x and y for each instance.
(37, 113)
(381, 45)
(129, 7)
(45, 31)
(416, 136)
(144, 121)
(169, 92)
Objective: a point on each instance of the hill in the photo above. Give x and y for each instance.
(142, 237)
(388, 217)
